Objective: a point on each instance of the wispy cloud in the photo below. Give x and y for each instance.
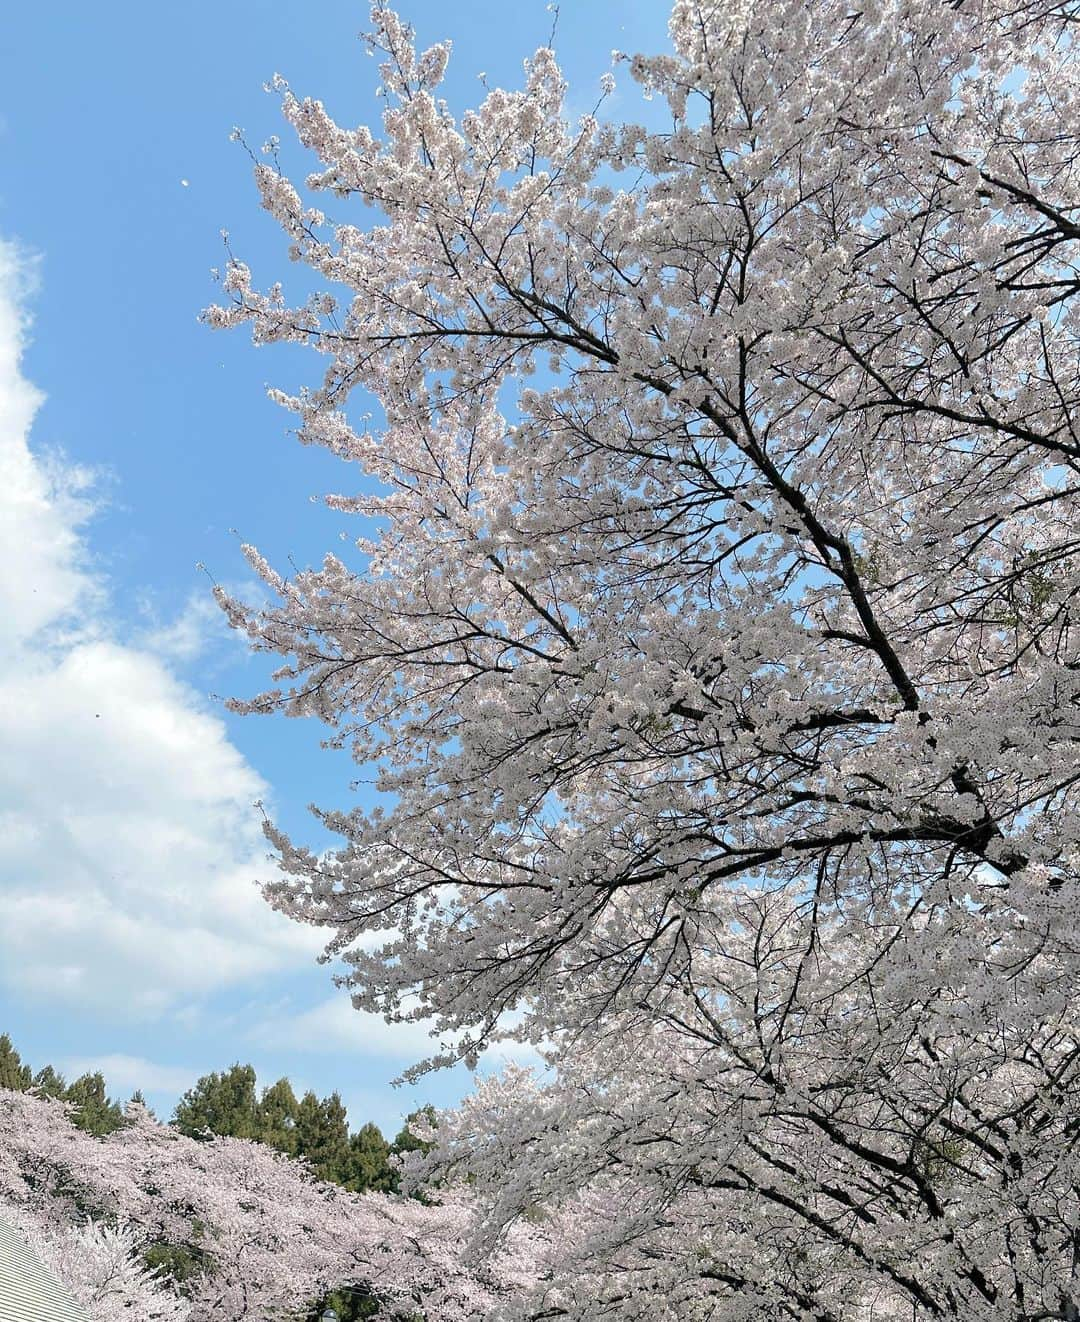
(129, 845)
(127, 1074)
(190, 633)
(334, 1026)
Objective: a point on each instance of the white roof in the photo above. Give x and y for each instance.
(28, 1291)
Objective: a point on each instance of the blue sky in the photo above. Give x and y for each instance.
(131, 937)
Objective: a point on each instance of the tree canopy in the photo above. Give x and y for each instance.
(261, 1237)
(229, 1104)
(92, 1109)
(136, 1270)
(709, 631)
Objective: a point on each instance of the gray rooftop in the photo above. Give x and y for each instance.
(28, 1290)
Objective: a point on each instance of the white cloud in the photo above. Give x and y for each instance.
(127, 1074)
(128, 840)
(334, 1026)
(41, 575)
(188, 634)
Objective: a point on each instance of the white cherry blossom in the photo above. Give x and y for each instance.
(710, 631)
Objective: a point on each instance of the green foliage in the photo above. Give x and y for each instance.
(322, 1136)
(179, 1262)
(350, 1305)
(406, 1140)
(48, 1083)
(137, 1099)
(313, 1128)
(13, 1073)
(95, 1112)
(228, 1104)
(277, 1114)
(369, 1162)
(223, 1104)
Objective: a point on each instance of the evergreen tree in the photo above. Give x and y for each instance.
(322, 1135)
(223, 1104)
(276, 1117)
(48, 1083)
(138, 1099)
(369, 1162)
(227, 1104)
(350, 1305)
(13, 1073)
(406, 1140)
(95, 1111)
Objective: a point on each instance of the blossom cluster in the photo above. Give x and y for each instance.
(709, 631)
(248, 1233)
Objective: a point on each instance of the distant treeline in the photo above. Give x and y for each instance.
(229, 1103)
(94, 1111)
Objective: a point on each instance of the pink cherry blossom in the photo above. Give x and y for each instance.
(268, 1238)
(710, 631)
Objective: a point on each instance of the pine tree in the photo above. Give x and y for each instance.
(322, 1135)
(227, 1104)
(406, 1140)
(276, 1117)
(223, 1104)
(369, 1162)
(138, 1099)
(95, 1111)
(13, 1073)
(49, 1083)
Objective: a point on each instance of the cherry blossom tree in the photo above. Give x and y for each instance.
(710, 629)
(263, 1237)
(102, 1267)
